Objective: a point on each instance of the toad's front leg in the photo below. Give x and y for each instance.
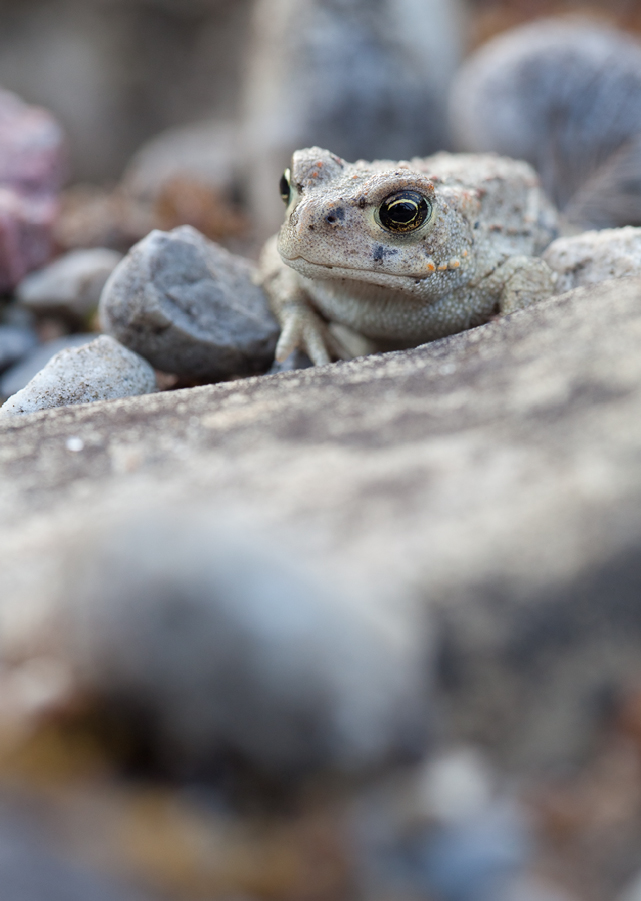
(522, 281)
(302, 328)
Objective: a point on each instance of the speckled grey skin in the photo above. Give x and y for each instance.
(333, 262)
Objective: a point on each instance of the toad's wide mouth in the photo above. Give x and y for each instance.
(324, 270)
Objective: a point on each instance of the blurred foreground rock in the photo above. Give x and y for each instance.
(492, 475)
(100, 370)
(190, 307)
(224, 642)
(496, 469)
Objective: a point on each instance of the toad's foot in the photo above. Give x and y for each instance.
(303, 329)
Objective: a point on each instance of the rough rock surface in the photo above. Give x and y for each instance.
(495, 471)
(70, 286)
(31, 170)
(15, 378)
(595, 256)
(189, 307)
(561, 94)
(100, 370)
(15, 343)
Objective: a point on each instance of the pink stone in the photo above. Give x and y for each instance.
(32, 169)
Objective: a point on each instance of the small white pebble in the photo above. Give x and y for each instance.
(75, 445)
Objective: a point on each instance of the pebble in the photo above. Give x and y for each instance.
(190, 307)
(32, 166)
(595, 256)
(15, 378)
(101, 370)
(71, 286)
(225, 639)
(15, 343)
(561, 94)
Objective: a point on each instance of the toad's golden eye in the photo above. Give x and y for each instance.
(404, 211)
(285, 186)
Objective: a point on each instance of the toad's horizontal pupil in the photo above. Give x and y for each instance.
(403, 210)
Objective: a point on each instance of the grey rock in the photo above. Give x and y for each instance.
(561, 94)
(189, 307)
(21, 374)
(15, 343)
(352, 77)
(100, 370)
(595, 256)
(72, 285)
(224, 642)
(495, 472)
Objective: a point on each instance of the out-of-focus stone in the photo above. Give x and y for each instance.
(70, 286)
(203, 152)
(15, 378)
(96, 217)
(353, 77)
(189, 307)
(101, 370)
(496, 471)
(595, 256)
(561, 94)
(15, 343)
(225, 641)
(32, 164)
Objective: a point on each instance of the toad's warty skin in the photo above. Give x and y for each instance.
(383, 255)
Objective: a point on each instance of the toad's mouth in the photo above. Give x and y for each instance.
(378, 276)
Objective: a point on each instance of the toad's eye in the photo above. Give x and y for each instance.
(285, 186)
(404, 211)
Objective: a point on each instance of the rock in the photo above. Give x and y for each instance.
(495, 472)
(352, 77)
(72, 285)
(15, 343)
(561, 94)
(100, 370)
(595, 256)
(203, 152)
(32, 163)
(189, 307)
(227, 643)
(18, 376)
